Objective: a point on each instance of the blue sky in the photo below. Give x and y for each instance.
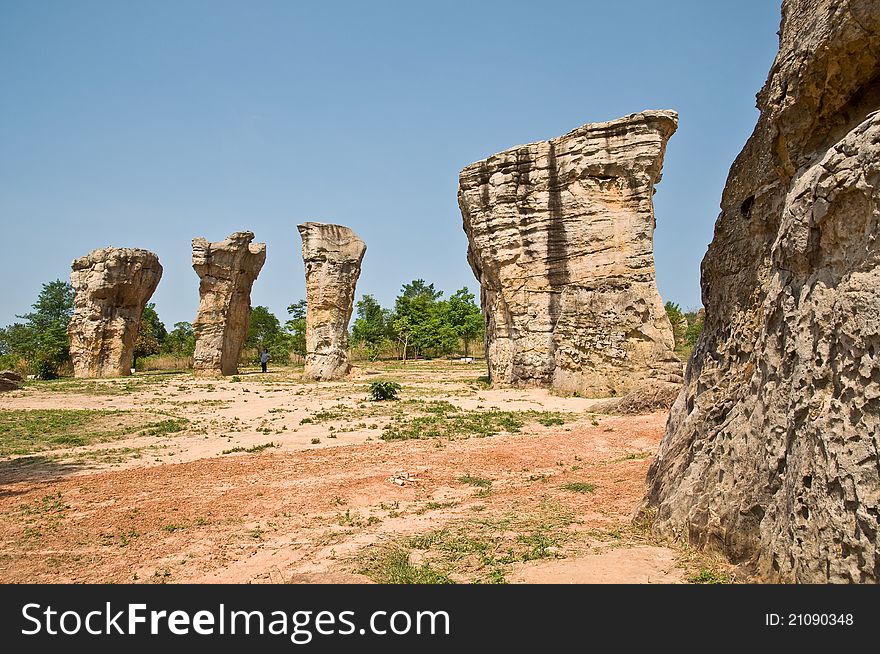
(147, 124)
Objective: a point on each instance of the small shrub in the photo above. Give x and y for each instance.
(381, 391)
(706, 576)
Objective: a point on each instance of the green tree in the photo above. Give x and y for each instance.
(180, 341)
(413, 315)
(435, 333)
(151, 333)
(371, 326)
(418, 288)
(465, 317)
(296, 326)
(263, 328)
(265, 331)
(695, 326)
(41, 341)
(679, 322)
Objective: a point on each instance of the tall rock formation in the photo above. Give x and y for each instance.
(112, 287)
(332, 255)
(227, 271)
(771, 450)
(560, 238)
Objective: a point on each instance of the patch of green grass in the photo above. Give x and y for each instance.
(444, 420)
(707, 576)
(579, 487)
(121, 386)
(537, 544)
(25, 431)
(110, 455)
(551, 420)
(171, 426)
(483, 548)
(475, 481)
(315, 441)
(393, 566)
(172, 528)
(49, 506)
(427, 541)
(253, 449)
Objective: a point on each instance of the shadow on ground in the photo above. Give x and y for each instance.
(33, 469)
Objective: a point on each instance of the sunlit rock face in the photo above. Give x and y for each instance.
(771, 449)
(560, 237)
(227, 271)
(112, 286)
(332, 255)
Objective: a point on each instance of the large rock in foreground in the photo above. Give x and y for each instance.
(332, 255)
(771, 450)
(560, 238)
(112, 286)
(227, 271)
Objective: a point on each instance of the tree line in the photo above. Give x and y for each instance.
(421, 324)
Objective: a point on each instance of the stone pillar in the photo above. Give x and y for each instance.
(227, 271)
(560, 237)
(332, 255)
(770, 452)
(112, 285)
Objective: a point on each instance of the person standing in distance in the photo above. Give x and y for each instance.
(264, 359)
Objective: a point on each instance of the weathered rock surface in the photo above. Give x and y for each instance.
(227, 270)
(332, 255)
(10, 380)
(771, 450)
(651, 397)
(561, 239)
(112, 286)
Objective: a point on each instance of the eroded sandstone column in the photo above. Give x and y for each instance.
(332, 255)
(112, 287)
(771, 450)
(560, 238)
(227, 271)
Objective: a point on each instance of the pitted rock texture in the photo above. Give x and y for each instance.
(771, 449)
(227, 271)
(332, 255)
(560, 237)
(112, 286)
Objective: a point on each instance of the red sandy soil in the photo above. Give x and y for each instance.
(282, 515)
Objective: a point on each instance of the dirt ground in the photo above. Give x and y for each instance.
(277, 480)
